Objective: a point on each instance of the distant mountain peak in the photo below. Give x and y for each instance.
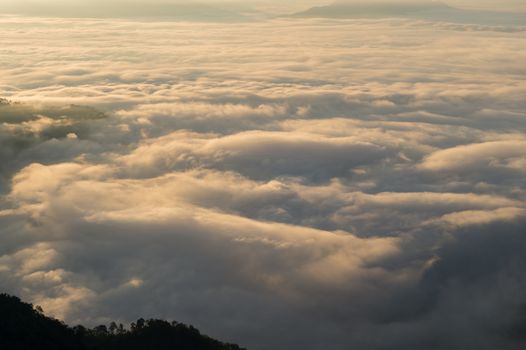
(421, 10)
(373, 8)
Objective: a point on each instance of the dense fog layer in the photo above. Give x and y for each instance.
(284, 184)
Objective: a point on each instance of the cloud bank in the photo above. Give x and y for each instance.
(313, 184)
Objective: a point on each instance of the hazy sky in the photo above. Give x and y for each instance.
(282, 6)
(286, 183)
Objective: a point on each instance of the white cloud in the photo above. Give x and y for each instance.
(478, 157)
(281, 184)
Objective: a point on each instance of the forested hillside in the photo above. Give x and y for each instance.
(23, 326)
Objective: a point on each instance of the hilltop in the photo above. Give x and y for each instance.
(24, 326)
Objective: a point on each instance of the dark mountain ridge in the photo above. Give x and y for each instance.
(25, 327)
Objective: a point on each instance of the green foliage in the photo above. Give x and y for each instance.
(23, 326)
(14, 112)
(25, 127)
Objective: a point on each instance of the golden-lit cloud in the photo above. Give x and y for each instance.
(285, 183)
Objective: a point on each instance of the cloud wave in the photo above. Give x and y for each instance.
(308, 183)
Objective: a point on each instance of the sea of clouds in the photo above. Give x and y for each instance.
(286, 184)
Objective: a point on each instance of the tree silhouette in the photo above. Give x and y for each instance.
(23, 326)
